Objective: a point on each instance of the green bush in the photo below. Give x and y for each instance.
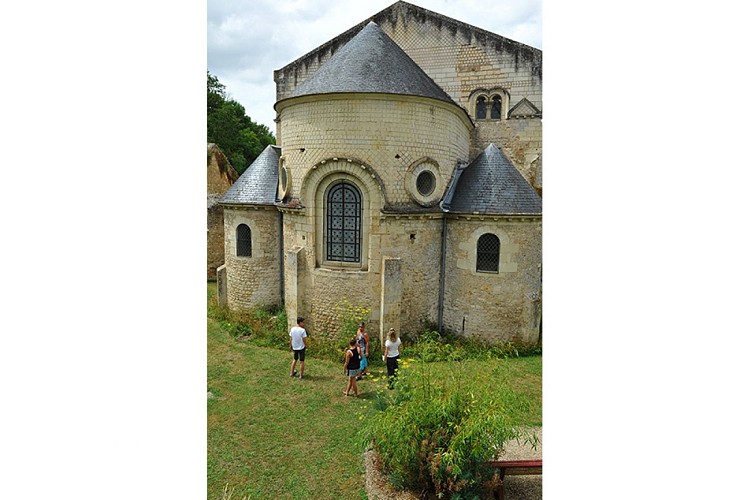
(440, 436)
(431, 346)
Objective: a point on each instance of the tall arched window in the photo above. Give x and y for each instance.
(343, 222)
(495, 111)
(480, 108)
(488, 250)
(244, 247)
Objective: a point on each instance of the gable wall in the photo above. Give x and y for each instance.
(460, 59)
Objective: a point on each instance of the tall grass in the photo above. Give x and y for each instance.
(272, 436)
(445, 422)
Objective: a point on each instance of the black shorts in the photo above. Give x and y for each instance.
(300, 354)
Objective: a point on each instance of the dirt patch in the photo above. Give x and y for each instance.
(377, 485)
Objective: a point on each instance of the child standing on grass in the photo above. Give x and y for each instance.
(352, 367)
(363, 342)
(298, 341)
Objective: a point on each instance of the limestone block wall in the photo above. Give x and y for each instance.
(391, 134)
(254, 281)
(461, 58)
(322, 287)
(496, 306)
(414, 239)
(391, 296)
(219, 177)
(457, 56)
(521, 141)
(214, 241)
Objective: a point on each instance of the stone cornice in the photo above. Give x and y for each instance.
(496, 218)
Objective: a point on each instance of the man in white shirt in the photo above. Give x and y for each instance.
(298, 342)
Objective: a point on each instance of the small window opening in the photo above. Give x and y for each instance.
(426, 183)
(488, 250)
(495, 112)
(480, 108)
(244, 247)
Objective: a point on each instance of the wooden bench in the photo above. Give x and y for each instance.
(515, 468)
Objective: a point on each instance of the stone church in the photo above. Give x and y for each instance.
(406, 179)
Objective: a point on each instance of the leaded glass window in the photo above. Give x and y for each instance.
(343, 223)
(480, 108)
(426, 183)
(488, 250)
(495, 111)
(244, 247)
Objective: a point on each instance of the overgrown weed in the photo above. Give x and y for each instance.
(437, 432)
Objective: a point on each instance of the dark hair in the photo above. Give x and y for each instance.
(300, 319)
(353, 341)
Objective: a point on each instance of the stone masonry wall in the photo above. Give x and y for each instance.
(253, 282)
(219, 177)
(496, 306)
(458, 57)
(416, 240)
(461, 59)
(214, 241)
(521, 141)
(389, 134)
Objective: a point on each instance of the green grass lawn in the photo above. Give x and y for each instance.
(272, 436)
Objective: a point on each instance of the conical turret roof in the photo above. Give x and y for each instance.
(371, 62)
(258, 184)
(491, 185)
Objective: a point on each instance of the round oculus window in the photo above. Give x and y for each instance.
(426, 183)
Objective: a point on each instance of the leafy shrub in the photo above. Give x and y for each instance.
(440, 436)
(431, 346)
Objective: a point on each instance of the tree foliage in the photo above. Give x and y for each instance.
(240, 138)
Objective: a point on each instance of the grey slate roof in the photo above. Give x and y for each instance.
(371, 63)
(491, 185)
(258, 184)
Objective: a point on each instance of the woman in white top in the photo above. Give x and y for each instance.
(391, 353)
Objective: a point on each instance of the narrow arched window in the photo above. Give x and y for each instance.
(495, 111)
(343, 222)
(244, 247)
(480, 108)
(488, 250)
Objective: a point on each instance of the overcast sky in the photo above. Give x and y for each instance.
(248, 39)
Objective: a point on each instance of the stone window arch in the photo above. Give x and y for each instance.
(495, 109)
(490, 104)
(244, 243)
(343, 231)
(315, 186)
(488, 253)
(480, 108)
(424, 183)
